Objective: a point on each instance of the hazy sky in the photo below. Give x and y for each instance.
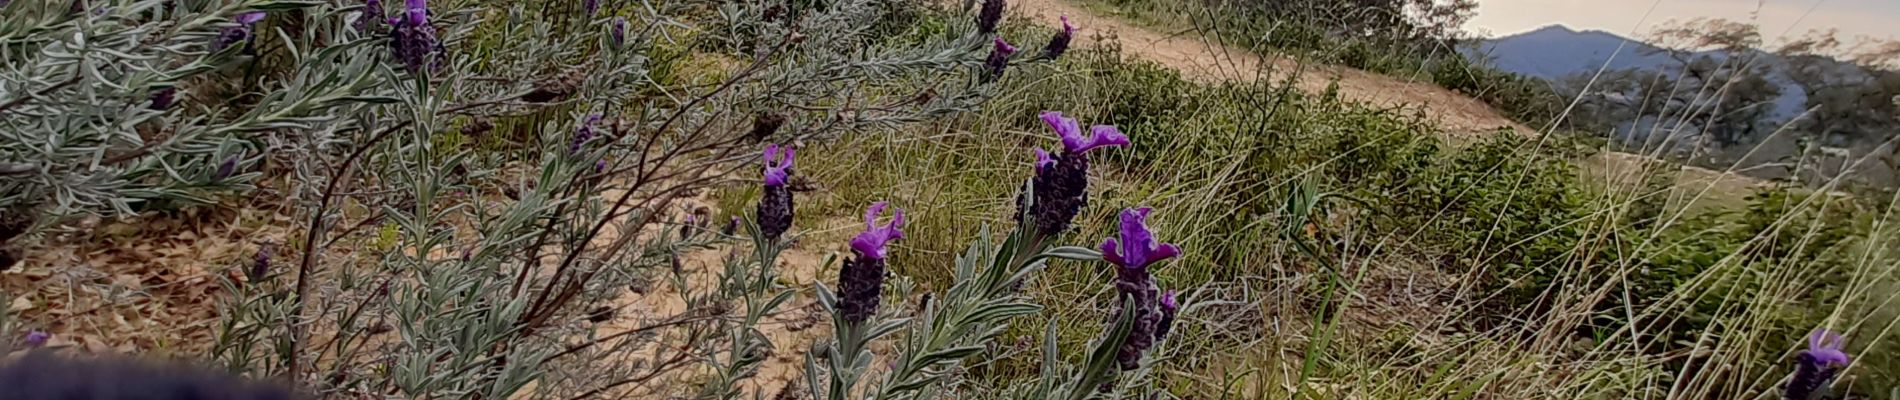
(1877, 18)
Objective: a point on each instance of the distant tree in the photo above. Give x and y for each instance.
(1718, 83)
(1851, 89)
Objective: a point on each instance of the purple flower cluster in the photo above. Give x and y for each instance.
(1816, 366)
(412, 41)
(591, 6)
(861, 282)
(1153, 313)
(775, 204)
(1061, 183)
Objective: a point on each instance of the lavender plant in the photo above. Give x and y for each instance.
(122, 106)
(950, 326)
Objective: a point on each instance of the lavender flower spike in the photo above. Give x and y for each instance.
(1075, 142)
(861, 281)
(1062, 180)
(618, 32)
(776, 164)
(592, 6)
(989, 16)
(1137, 248)
(1060, 42)
(413, 41)
(998, 60)
(871, 243)
(1816, 366)
(775, 202)
(240, 33)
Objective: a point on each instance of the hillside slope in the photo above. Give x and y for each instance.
(1457, 115)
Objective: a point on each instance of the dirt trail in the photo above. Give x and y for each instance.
(1199, 59)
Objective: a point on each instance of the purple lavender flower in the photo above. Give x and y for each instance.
(164, 97)
(225, 169)
(861, 282)
(592, 6)
(413, 40)
(1816, 366)
(600, 166)
(775, 204)
(241, 33)
(372, 19)
(1060, 43)
(37, 339)
(618, 32)
(1061, 182)
(1132, 255)
(988, 17)
(998, 59)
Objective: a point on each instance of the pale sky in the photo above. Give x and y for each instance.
(1778, 18)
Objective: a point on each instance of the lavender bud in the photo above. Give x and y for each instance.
(775, 205)
(732, 227)
(998, 60)
(1060, 43)
(1815, 367)
(591, 6)
(765, 124)
(260, 265)
(686, 229)
(35, 339)
(225, 169)
(163, 98)
(584, 134)
(989, 16)
(861, 282)
(618, 32)
(1061, 182)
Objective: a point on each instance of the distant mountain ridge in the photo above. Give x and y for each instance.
(1557, 51)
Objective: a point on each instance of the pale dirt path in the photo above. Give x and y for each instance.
(1201, 60)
